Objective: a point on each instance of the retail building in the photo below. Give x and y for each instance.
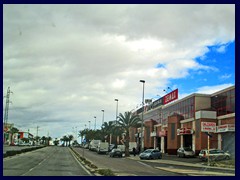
(189, 121)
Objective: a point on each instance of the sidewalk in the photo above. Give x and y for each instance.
(201, 172)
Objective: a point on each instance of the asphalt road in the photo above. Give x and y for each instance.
(48, 161)
(123, 166)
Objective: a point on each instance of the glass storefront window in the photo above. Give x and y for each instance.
(224, 103)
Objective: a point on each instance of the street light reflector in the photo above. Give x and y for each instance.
(142, 81)
(116, 99)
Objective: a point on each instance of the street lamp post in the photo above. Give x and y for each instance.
(89, 124)
(142, 146)
(116, 110)
(95, 123)
(103, 117)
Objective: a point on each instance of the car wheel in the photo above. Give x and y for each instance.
(178, 155)
(150, 157)
(227, 157)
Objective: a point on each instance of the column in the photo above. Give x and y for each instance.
(219, 136)
(193, 135)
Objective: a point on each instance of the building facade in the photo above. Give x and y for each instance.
(182, 123)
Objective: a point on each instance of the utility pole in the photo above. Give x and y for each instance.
(6, 111)
(7, 106)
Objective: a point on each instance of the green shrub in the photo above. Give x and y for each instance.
(106, 172)
(11, 153)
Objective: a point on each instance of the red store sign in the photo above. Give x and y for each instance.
(170, 97)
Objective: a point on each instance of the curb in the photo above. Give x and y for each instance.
(185, 164)
(93, 171)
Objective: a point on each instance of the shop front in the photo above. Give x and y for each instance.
(227, 136)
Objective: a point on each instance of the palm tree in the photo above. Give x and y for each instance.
(48, 139)
(70, 138)
(127, 121)
(110, 130)
(43, 139)
(65, 140)
(56, 142)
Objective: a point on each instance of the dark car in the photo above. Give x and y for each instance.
(151, 154)
(115, 153)
(185, 152)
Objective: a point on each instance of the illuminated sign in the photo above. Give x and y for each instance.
(170, 97)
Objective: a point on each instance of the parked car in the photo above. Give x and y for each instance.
(116, 152)
(102, 147)
(214, 154)
(94, 145)
(151, 154)
(185, 152)
(86, 146)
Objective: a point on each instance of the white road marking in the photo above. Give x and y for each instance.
(144, 164)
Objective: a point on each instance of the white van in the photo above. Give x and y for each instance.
(102, 147)
(94, 145)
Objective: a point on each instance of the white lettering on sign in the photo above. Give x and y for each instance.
(170, 97)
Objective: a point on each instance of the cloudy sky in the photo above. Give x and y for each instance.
(65, 63)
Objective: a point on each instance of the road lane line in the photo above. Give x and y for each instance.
(144, 164)
(33, 167)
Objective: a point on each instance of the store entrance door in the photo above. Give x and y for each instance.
(187, 140)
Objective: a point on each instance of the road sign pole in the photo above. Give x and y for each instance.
(208, 148)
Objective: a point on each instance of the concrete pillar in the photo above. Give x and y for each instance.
(193, 136)
(154, 142)
(181, 137)
(219, 136)
(162, 144)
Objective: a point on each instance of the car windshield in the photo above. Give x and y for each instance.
(147, 151)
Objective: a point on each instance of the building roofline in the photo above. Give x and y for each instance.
(189, 96)
(223, 90)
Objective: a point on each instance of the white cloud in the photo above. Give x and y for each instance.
(225, 76)
(221, 49)
(212, 89)
(65, 63)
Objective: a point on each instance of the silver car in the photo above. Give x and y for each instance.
(214, 154)
(185, 152)
(151, 154)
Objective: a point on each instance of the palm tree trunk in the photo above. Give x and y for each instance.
(127, 145)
